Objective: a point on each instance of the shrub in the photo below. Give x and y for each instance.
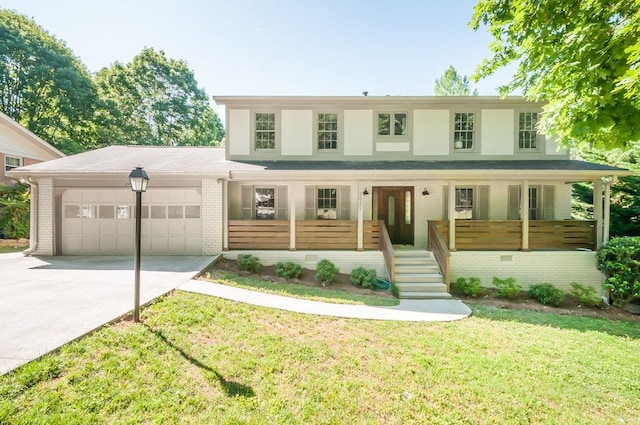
(586, 294)
(394, 290)
(14, 211)
(470, 287)
(363, 277)
(619, 260)
(546, 293)
(249, 263)
(507, 288)
(288, 270)
(326, 271)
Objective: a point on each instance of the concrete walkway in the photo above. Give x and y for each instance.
(408, 310)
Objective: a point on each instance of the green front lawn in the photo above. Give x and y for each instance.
(199, 359)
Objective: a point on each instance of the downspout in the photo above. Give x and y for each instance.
(33, 217)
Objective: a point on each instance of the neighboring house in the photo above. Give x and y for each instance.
(20, 147)
(371, 181)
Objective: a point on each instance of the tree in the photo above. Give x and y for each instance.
(43, 86)
(154, 100)
(453, 84)
(14, 211)
(582, 57)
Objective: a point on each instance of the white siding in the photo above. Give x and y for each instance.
(358, 132)
(431, 132)
(392, 147)
(552, 147)
(13, 143)
(297, 132)
(239, 132)
(497, 132)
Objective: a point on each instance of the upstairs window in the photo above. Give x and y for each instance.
(327, 131)
(463, 131)
(527, 133)
(265, 131)
(392, 124)
(10, 163)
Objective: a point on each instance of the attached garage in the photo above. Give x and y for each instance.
(101, 221)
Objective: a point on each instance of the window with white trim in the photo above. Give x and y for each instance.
(265, 203)
(327, 204)
(463, 130)
(527, 132)
(327, 131)
(464, 203)
(11, 162)
(392, 124)
(265, 131)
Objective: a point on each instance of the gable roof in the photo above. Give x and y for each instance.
(32, 138)
(184, 161)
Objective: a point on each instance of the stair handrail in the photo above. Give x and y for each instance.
(440, 250)
(387, 251)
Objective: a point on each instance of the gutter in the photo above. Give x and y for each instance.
(33, 233)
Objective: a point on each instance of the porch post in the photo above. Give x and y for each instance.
(225, 215)
(292, 219)
(524, 214)
(607, 209)
(597, 211)
(452, 215)
(360, 242)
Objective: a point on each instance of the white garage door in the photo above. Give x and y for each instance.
(101, 221)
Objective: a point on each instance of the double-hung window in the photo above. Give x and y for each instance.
(262, 202)
(464, 203)
(327, 204)
(527, 132)
(463, 131)
(11, 162)
(265, 131)
(392, 124)
(470, 203)
(265, 206)
(327, 131)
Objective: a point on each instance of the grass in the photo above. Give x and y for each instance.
(299, 290)
(198, 359)
(6, 249)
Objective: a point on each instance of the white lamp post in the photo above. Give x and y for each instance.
(139, 180)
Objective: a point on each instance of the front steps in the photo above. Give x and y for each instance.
(418, 275)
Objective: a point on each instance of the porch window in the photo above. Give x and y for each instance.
(265, 204)
(260, 203)
(265, 131)
(463, 131)
(327, 131)
(541, 203)
(464, 203)
(10, 163)
(527, 132)
(327, 202)
(395, 120)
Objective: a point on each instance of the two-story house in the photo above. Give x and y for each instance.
(424, 189)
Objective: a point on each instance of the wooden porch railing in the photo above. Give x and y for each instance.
(258, 234)
(440, 250)
(496, 235)
(387, 251)
(310, 234)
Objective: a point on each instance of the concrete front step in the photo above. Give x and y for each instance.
(417, 275)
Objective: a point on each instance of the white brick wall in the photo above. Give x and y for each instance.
(559, 268)
(212, 218)
(345, 260)
(45, 217)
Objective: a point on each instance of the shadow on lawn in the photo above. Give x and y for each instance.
(231, 388)
(620, 328)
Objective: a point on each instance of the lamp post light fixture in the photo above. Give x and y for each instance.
(139, 180)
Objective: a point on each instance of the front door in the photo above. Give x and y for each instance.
(395, 208)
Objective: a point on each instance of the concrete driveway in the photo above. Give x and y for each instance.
(46, 302)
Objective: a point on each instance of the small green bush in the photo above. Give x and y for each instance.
(619, 260)
(14, 210)
(507, 288)
(288, 270)
(249, 263)
(470, 287)
(326, 271)
(546, 293)
(364, 277)
(395, 291)
(586, 294)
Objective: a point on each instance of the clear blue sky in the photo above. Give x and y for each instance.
(279, 47)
